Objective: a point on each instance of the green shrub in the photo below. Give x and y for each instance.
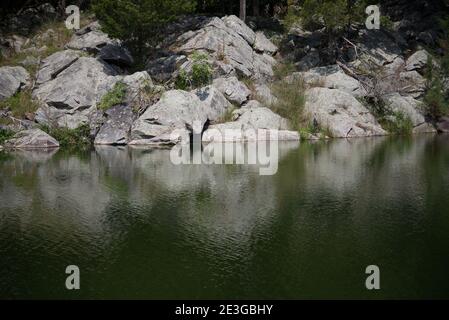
(200, 75)
(72, 139)
(398, 124)
(20, 104)
(436, 99)
(114, 97)
(183, 81)
(139, 23)
(5, 135)
(335, 15)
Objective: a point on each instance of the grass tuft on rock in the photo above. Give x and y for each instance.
(199, 76)
(20, 104)
(114, 97)
(290, 102)
(398, 124)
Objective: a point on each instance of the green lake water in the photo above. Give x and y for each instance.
(138, 226)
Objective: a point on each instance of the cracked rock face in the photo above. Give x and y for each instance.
(12, 80)
(340, 113)
(116, 129)
(55, 64)
(176, 110)
(231, 44)
(234, 90)
(411, 108)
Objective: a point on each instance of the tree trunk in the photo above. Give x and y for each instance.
(243, 10)
(256, 6)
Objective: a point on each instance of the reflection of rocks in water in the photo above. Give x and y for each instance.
(211, 201)
(37, 155)
(65, 189)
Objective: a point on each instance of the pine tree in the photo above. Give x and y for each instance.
(139, 23)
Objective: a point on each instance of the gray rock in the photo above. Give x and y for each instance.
(341, 114)
(311, 60)
(412, 83)
(215, 102)
(417, 61)
(234, 132)
(377, 46)
(78, 87)
(32, 139)
(241, 28)
(164, 68)
(443, 125)
(116, 54)
(12, 79)
(176, 110)
(234, 90)
(67, 118)
(232, 45)
(251, 123)
(332, 77)
(262, 44)
(135, 83)
(93, 26)
(411, 108)
(55, 64)
(264, 94)
(91, 42)
(260, 118)
(116, 129)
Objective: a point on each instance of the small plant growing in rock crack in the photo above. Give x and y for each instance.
(114, 97)
(5, 135)
(20, 104)
(199, 76)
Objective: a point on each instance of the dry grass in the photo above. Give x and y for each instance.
(290, 101)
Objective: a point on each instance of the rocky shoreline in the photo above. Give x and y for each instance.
(72, 87)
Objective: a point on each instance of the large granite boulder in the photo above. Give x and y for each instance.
(214, 101)
(116, 54)
(230, 40)
(234, 90)
(55, 64)
(411, 108)
(263, 45)
(237, 25)
(12, 79)
(417, 61)
(331, 77)
(116, 129)
(250, 124)
(79, 86)
(91, 39)
(341, 114)
(176, 110)
(91, 42)
(70, 98)
(32, 139)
